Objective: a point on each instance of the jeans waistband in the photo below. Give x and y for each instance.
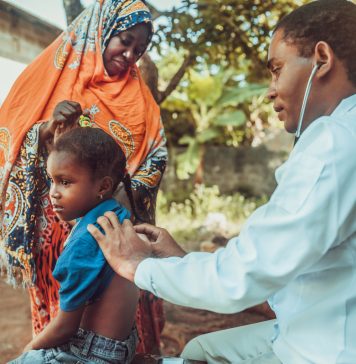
(85, 342)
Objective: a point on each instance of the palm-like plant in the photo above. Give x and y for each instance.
(214, 101)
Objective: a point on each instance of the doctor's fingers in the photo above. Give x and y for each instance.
(152, 232)
(112, 230)
(111, 220)
(137, 240)
(165, 245)
(129, 232)
(96, 233)
(118, 233)
(126, 227)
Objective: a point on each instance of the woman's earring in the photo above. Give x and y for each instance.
(100, 196)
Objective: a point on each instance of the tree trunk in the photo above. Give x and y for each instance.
(199, 173)
(149, 74)
(72, 9)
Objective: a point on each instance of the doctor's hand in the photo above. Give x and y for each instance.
(162, 243)
(121, 245)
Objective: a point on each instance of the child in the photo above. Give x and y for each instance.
(97, 308)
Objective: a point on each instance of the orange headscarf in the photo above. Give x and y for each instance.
(72, 68)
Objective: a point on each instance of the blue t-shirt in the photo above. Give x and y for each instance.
(81, 269)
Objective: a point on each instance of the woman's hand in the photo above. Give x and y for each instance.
(64, 118)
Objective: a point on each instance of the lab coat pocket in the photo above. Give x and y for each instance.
(297, 182)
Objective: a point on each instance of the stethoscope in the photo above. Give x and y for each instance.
(305, 100)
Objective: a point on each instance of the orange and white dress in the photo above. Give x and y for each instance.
(72, 68)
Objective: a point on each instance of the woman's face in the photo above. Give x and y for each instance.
(125, 49)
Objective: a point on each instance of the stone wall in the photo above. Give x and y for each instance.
(22, 35)
(245, 169)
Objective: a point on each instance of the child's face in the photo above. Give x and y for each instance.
(73, 190)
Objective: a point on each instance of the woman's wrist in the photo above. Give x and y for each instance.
(45, 135)
(43, 130)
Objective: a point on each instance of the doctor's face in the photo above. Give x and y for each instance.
(290, 73)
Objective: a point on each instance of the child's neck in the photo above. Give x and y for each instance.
(108, 197)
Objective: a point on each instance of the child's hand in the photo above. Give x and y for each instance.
(28, 347)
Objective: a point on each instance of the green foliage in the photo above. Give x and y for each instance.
(220, 99)
(227, 41)
(215, 103)
(237, 95)
(232, 118)
(188, 162)
(226, 32)
(204, 88)
(169, 64)
(187, 220)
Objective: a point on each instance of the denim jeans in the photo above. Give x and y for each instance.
(85, 347)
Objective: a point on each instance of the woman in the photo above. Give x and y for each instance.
(92, 62)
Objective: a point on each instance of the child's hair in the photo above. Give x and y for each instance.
(97, 150)
(331, 21)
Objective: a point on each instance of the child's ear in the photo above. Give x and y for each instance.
(106, 186)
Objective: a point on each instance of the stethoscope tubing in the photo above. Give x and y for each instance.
(305, 100)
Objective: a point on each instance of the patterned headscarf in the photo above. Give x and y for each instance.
(123, 16)
(72, 68)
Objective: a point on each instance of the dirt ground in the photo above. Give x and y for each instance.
(182, 324)
(15, 321)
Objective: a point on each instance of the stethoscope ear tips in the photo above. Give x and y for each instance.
(305, 99)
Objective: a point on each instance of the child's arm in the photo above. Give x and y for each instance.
(58, 331)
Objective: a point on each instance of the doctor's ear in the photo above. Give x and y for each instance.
(325, 58)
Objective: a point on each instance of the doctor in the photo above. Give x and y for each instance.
(299, 250)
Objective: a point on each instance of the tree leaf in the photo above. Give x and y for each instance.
(236, 95)
(186, 139)
(188, 161)
(233, 118)
(207, 134)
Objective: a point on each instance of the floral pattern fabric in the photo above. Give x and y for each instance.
(72, 68)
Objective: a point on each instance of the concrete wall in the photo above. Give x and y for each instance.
(245, 169)
(22, 35)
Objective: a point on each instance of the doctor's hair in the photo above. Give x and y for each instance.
(96, 150)
(331, 21)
